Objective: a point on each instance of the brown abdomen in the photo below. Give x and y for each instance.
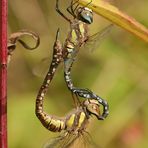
(51, 123)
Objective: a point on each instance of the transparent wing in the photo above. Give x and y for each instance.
(89, 142)
(69, 61)
(71, 140)
(40, 70)
(94, 41)
(65, 140)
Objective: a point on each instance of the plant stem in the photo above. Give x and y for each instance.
(3, 73)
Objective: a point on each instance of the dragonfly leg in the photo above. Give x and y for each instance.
(71, 10)
(88, 3)
(58, 10)
(76, 8)
(76, 99)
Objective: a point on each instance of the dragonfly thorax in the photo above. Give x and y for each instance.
(77, 121)
(78, 34)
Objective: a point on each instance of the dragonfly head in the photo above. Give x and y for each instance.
(92, 106)
(85, 15)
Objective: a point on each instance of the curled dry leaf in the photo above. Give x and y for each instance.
(14, 37)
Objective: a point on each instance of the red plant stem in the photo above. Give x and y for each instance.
(3, 73)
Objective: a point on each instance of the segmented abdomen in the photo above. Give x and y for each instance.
(51, 123)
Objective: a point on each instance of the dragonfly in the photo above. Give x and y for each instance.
(16, 37)
(72, 126)
(77, 38)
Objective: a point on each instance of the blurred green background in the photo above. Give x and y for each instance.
(117, 71)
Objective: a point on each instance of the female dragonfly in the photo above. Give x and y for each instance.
(72, 127)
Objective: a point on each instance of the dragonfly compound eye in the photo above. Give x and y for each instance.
(85, 15)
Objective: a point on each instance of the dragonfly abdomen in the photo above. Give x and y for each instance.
(51, 123)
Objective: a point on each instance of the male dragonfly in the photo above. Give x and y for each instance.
(77, 38)
(73, 126)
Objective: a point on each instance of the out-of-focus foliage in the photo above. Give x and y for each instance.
(117, 71)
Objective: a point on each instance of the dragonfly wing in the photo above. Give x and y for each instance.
(42, 67)
(65, 140)
(94, 41)
(71, 140)
(89, 142)
(70, 59)
(85, 141)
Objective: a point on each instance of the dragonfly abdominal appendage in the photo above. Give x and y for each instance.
(88, 94)
(105, 107)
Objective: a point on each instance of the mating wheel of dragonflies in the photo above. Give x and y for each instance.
(73, 126)
(77, 38)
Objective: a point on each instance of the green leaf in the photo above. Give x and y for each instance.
(118, 17)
